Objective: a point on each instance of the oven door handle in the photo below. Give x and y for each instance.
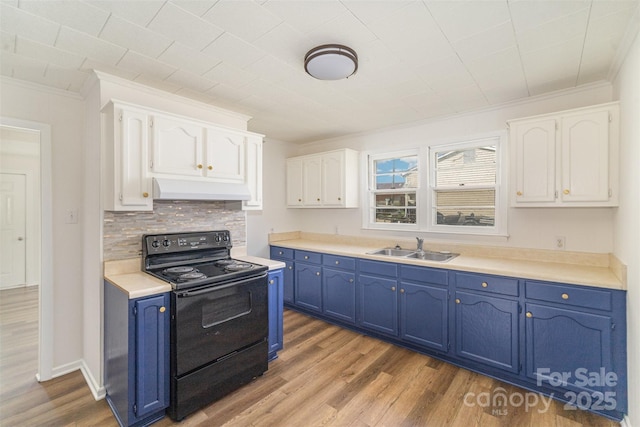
(209, 289)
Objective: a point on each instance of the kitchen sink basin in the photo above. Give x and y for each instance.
(433, 256)
(393, 252)
(410, 253)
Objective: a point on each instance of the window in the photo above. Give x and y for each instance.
(393, 185)
(463, 191)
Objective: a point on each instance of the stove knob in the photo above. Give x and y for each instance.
(217, 238)
(155, 243)
(166, 243)
(225, 237)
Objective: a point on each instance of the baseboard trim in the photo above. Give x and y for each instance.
(97, 391)
(626, 422)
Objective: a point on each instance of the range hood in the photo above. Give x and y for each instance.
(178, 189)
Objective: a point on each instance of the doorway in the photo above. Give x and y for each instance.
(26, 225)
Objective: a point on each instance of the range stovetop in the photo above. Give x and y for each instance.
(194, 259)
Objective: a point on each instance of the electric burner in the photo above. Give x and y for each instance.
(178, 271)
(194, 275)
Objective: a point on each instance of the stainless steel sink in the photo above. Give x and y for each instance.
(433, 256)
(410, 253)
(393, 252)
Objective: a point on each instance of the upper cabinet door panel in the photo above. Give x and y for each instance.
(177, 147)
(294, 182)
(312, 181)
(132, 146)
(224, 155)
(333, 179)
(585, 157)
(535, 146)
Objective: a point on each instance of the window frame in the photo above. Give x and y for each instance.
(426, 218)
(501, 206)
(369, 202)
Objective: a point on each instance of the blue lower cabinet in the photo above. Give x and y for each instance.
(487, 330)
(275, 280)
(308, 286)
(136, 356)
(424, 315)
(378, 304)
(339, 294)
(287, 282)
(587, 366)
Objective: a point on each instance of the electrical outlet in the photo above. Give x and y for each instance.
(560, 242)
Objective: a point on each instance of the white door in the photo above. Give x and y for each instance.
(225, 156)
(535, 152)
(333, 179)
(294, 182)
(13, 230)
(312, 181)
(177, 147)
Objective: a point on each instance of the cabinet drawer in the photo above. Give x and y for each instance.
(307, 256)
(486, 283)
(379, 268)
(281, 253)
(339, 262)
(569, 295)
(423, 274)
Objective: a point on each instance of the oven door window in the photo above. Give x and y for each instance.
(226, 309)
(214, 322)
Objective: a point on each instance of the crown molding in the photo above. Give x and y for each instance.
(40, 88)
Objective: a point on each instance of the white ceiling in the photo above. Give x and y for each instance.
(418, 58)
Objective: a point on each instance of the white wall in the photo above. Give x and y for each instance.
(627, 217)
(274, 217)
(65, 114)
(588, 230)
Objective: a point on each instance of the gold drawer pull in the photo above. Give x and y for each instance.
(350, 280)
(519, 193)
(529, 314)
(457, 300)
(199, 166)
(393, 288)
(485, 284)
(565, 296)
(145, 194)
(566, 191)
(162, 309)
(401, 291)
(210, 167)
(318, 199)
(299, 200)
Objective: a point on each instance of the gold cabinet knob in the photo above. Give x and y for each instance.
(199, 166)
(337, 262)
(317, 273)
(271, 282)
(339, 198)
(350, 280)
(457, 300)
(401, 291)
(290, 267)
(566, 191)
(210, 167)
(162, 309)
(145, 194)
(393, 288)
(519, 193)
(485, 284)
(299, 200)
(565, 296)
(318, 199)
(529, 314)
(306, 257)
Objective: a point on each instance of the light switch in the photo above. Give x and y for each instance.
(71, 216)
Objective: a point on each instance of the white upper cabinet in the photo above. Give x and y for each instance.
(225, 159)
(324, 180)
(177, 147)
(253, 168)
(126, 152)
(141, 144)
(566, 159)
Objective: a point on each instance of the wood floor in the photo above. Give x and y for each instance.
(325, 376)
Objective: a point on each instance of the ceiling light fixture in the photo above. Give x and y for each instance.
(331, 62)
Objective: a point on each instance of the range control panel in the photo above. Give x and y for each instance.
(184, 242)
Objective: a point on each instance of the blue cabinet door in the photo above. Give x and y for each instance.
(378, 304)
(287, 284)
(152, 355)
(576, 345)
(424, 315)
(339, 294)
(308, 286)
(487, 330)
(275, 313)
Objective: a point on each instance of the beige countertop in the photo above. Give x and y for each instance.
(127, 275)
(590, 270)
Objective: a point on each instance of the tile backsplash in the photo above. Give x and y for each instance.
(123, 230)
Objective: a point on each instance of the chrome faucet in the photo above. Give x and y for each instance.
(420, 242)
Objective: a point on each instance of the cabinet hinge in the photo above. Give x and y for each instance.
(613, 326)
(135, 310)
(519, 308)
(151, 123)
(520, 368)
(120, 196)
(610, 193)
(449, 346)
(555, 195)
(135, 409)
(556, 123)
(610, 118)
(120, 118)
